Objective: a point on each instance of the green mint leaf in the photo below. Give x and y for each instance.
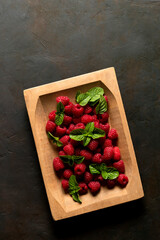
(83, 99)
(89, 128)
(55, 139)
(103, 167)
(77, 159)
(102, 106)
(59, 118)
(67, 159)
(76, 198)
(97, 133)
(60, 108)
(112, 173)
(77, 94)
(95, 91)
(104, 174)
(94, 168)
(93, 103)
(77, 134)
(94, 98)
(86, 141)
(74, 188)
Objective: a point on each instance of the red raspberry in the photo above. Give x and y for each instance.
(61, 153)
(107, 143)
(77, 151)
(67, 120)
(79, 169)
(58, 164)
(104, 127)
(104, 117)
(79, 125)
(65, 185)
(76, 120)
(96, 124)
(98, 150)
(94, 118)
(117, 154)
(77, 110)
(86, 118)
(74, 143)
(63, 99)
(60, 131)
(93, 145)
(108, 153)
(106, 98)
(111, 183)
(87, 154)
(88, 177)
(52, 116)
(68, 149)
(97, 158)
(70, 129)
(87, 109)
(68, 109)
(119, 166)
(67, 173)
(50, 126)
(113, 134)
(101, 140)
(94, 186)
(100, 179)
(122, 180)
(65, 140)
(84, 188)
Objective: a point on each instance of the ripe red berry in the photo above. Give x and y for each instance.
(58, 164)
(86, 118)
(97, 158)
(104, 117)
(122, 180)
(87, 109)
(67, 173)
(107, 143)
(100, 179)
(60, 131)
(113, 134)
(79, 125)
(74, 143)
(111, 183)
(96, 123)
(67, 120)
(61, 153)
(77, 151)
(68, 149)
(79, 169)
(68, 109)
(116, 155)
(104, 127)
(77, 110)
(94, 186)
(70, 129)
(76, 120)
(84, 188)
(65, 185)
(94, 118)
(86, 154)
(119, 166)
(52, 116)
(101, 140)
(63, 99)
(65, 140)
(93, 145)
(50, 126)
(88, 177)
(108, 153)
(106, 98)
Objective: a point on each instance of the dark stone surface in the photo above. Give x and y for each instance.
(48, 40)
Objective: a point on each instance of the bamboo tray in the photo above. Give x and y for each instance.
(40, 101)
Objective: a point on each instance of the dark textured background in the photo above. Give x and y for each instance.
(48, 40)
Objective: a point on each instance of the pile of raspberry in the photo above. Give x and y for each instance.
(102, 150)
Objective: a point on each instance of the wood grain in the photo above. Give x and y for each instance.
(40, 101)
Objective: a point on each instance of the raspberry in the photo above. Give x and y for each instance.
(104, 127)
(122, 180)
(58, 164)
(86, 154)
(94, 118)
(61, 153)
(79, 125)
(97, 158)
(86, 118)
(113, 134)
(87, 109)
(77, 110)
(116, 155)
(68, 149)
(107, 143)
(67, 120)
(111, 183)
(100, 179)
(67, 173)
(74, 143)
(108, 153)
(88, 177)
(96, 124)
(77, 151)
(98, 150)
(106, 98)
(65, 185)
(101, 140)
(68, 109)
(52, 116)
(60, 131)
(79, 169)
(50, 126)
(70, 129)
(104, 117)
(119, 166)
(65, 140)
(94, 186)
(63, 99)
(93, 145)
(84, 188)
(76, 120)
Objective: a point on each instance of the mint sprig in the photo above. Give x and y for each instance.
(59, 114)
(74, 189)
(85, 135)
(55, 139)
(101, 106)
(106, 172)
(70, 160)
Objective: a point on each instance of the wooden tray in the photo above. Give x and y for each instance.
(40, 101)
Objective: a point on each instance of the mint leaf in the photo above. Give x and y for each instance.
(59, 118)
(86, 141)
(112, 173)
(89, 128)
(77, 134)
(74, 188)
(55, 139)
(94, 98)
(94, 168)
(60, 107)
(77, 159)
(106, 172)
(83, 99)
(102, 106)
(95, 91)
(67, 159)
(76, 198)
(77, 94)
(93, 103)
(97, 133)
